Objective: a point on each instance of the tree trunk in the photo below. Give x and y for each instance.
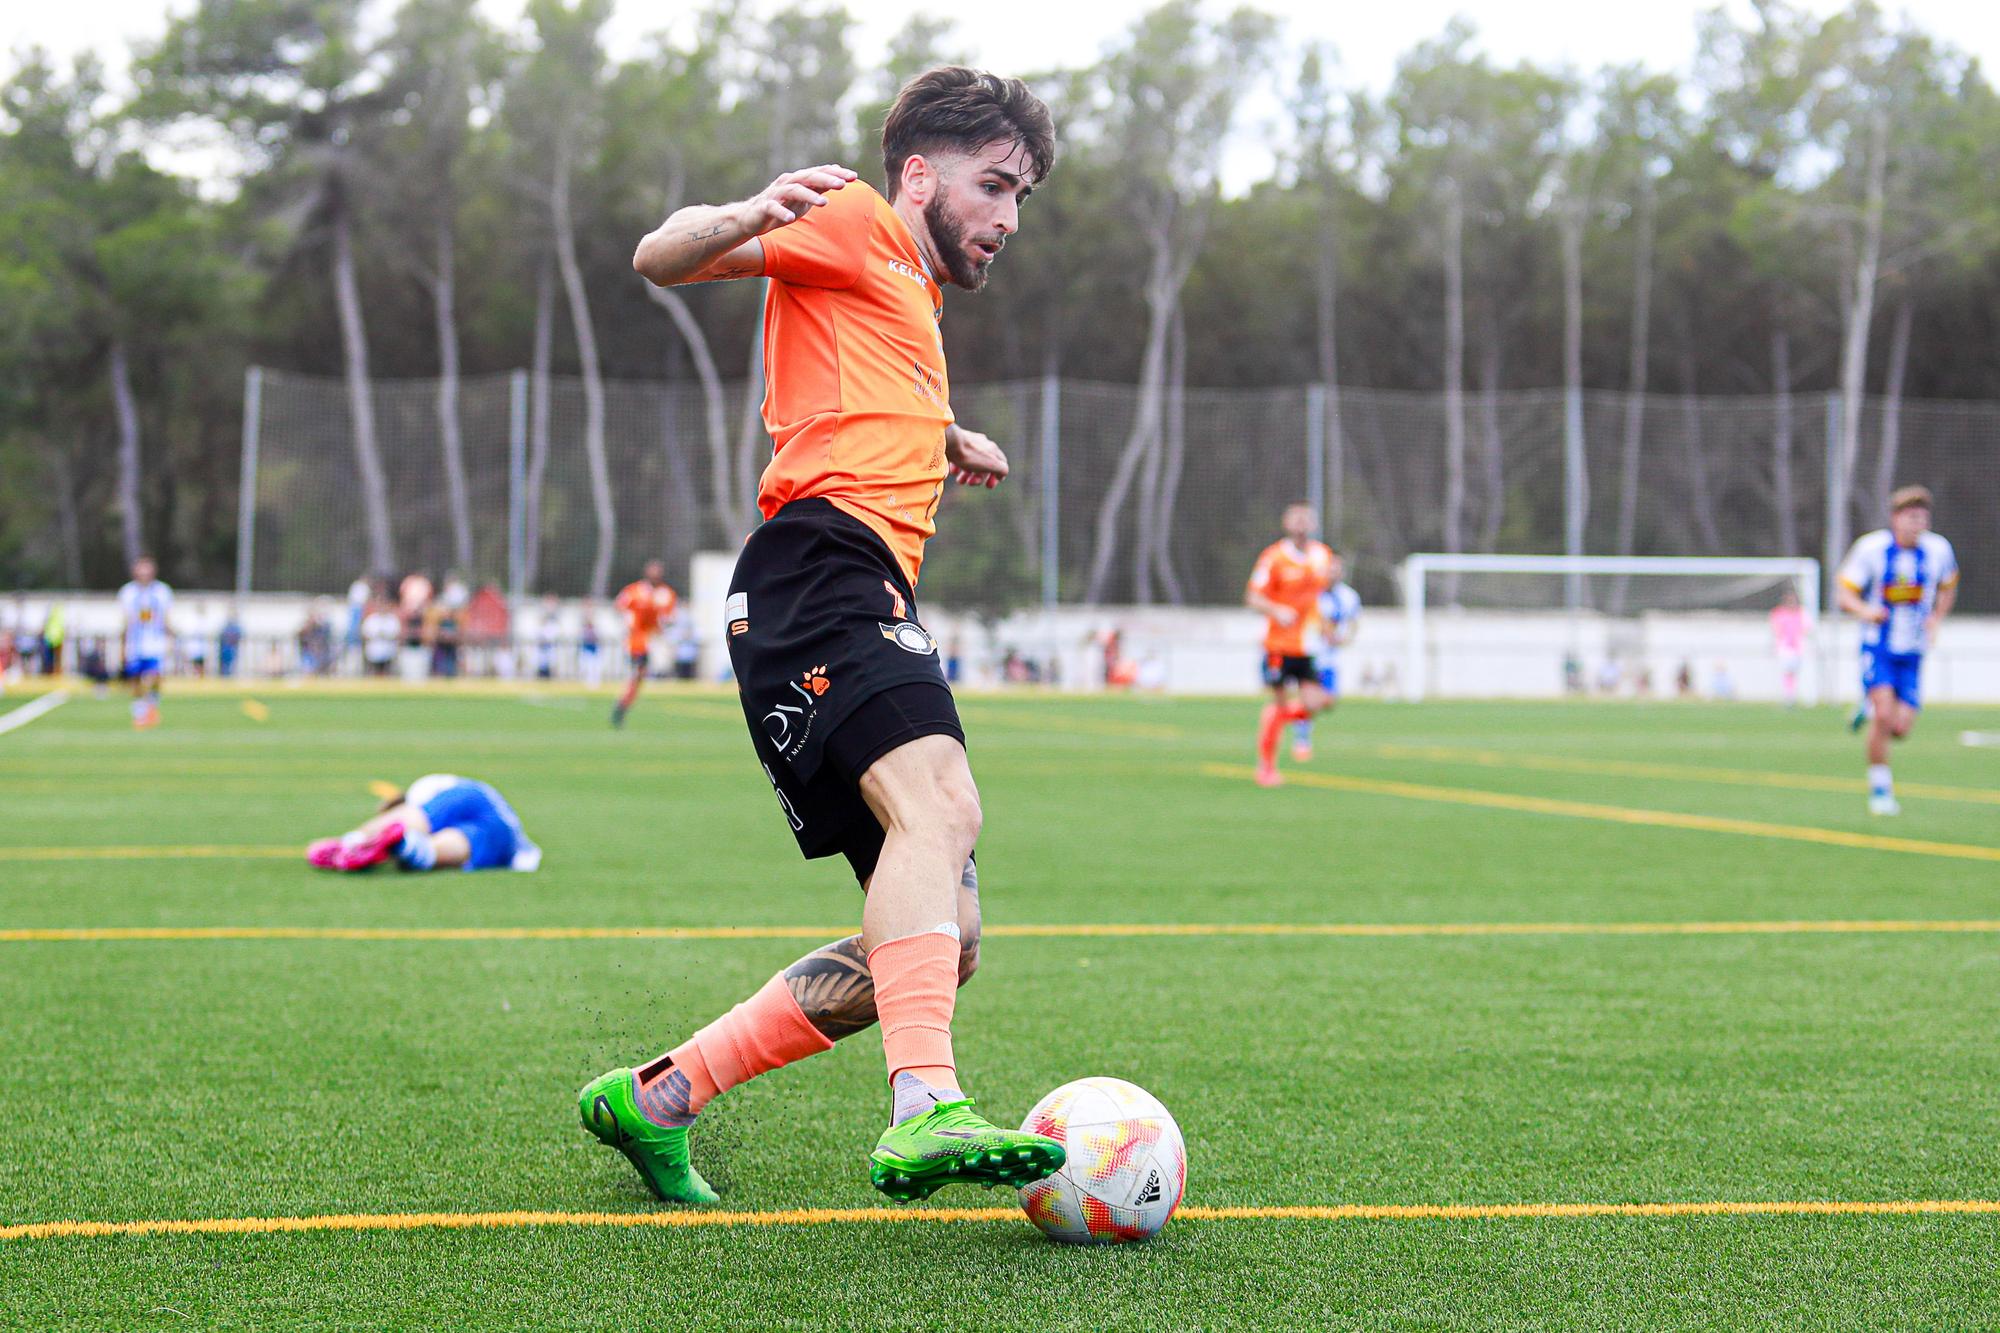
(724, 506)
(538, 422)
(1326, 326)
(127, 411)
(1176, 454)
(1859, 309)
(752, 444)
(69, 530)
(1160, 294)
(1782, 501)
(593, 375)
(361, 398)
(1638, 363)
(1576, 461)
(451, 437)
(1701, 499)
(1892, 407)
(1492, 457)
(1453, 539)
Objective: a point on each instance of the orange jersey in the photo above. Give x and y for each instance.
(1292, 577)
(855, 395)
(645, 606)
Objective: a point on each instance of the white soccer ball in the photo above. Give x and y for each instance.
(1127, 1163)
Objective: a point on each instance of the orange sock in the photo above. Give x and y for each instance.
(916, 986)
(1276, 718)
(765, 1032)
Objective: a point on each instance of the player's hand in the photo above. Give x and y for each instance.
(1285, 616)
(791, 197)
(975, 460)
(1878, 615)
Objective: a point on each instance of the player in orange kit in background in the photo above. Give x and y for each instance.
(647, 604)
(1286, 585)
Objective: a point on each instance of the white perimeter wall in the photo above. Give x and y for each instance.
(1473, 654)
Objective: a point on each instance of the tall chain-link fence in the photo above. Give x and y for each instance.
(1113, 499)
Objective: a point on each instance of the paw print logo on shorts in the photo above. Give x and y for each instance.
(817, 682)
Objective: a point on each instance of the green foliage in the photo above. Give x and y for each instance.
(432, 123)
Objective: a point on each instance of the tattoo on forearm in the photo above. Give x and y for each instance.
(705, 234)
(834, 988)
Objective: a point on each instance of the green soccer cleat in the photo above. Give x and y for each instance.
(660, 1154)
(952, 1142)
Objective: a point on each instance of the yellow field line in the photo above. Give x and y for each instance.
(1132, 930)
(145, 852)
(809, 1217)
(1738, 777)
(1619, 814)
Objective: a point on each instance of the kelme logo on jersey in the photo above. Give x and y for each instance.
(910, 637)
(898, 266)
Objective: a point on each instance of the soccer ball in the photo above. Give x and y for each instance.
(1127, 1163)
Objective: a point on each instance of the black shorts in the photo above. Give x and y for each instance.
(834, 670)
(1279, 668)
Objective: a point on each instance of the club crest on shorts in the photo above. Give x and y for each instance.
(910, 637)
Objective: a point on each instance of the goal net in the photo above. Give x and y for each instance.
(1626, 627)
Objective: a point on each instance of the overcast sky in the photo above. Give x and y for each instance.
(1029, 34)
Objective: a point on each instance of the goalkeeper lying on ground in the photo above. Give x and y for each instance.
(440, 822)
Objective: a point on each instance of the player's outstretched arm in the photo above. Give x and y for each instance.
(712, 242)
(975, 460)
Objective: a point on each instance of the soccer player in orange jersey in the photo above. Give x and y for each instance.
(842, 690)
(648, 604)
(1286, 585)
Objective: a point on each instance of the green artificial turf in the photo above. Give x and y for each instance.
(151, 1079)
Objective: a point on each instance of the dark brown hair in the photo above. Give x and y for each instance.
(952, 108)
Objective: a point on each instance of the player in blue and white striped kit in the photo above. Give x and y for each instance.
(1339, 621)
(147, 605)
(1900, 582)
(442, 822)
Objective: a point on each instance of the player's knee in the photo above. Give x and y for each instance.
(958, 810)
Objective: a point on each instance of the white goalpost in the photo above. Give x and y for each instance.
(1655, 614)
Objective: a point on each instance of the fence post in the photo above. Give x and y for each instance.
(1316, 455)
(246, 495)
(517, 484)
(1051, 490)
(1836, 500)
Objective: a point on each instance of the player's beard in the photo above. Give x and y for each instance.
(962, 265)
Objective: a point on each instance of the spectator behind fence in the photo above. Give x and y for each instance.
(548, 633)
(381, 628)
(316, 642)
(360, 595)
(413, 604)
(590, 662)
(194, 640)
(229, 644)
(444, 625)
(53, 630)
(93, 665)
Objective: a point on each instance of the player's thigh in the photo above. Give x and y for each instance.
(1312, 695)
(453, 848)
(925, 783)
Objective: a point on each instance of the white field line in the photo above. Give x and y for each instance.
(31, 710)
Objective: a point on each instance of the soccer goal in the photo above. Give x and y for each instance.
(1615, 626)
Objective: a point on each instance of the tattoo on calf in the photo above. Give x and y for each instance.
(836, 991)
(664, 1101)
(834, 988)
